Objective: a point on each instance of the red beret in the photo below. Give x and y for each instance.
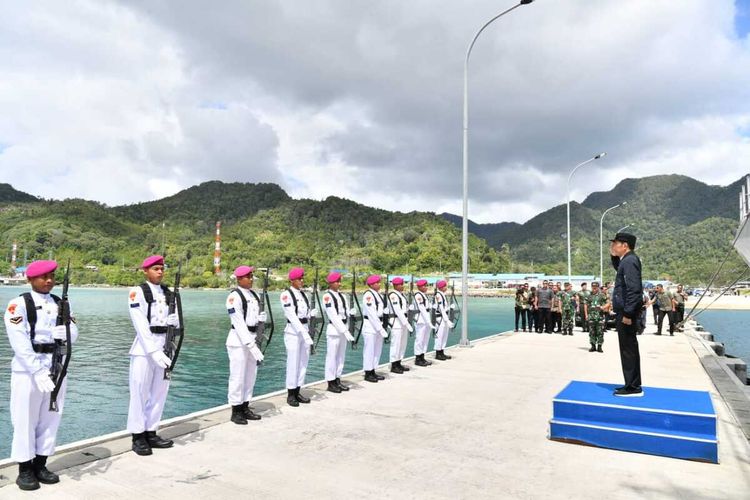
(421, 282)
(40, 267)
(243, 271)
(442, 283)
(398, 280)
(296, 273)
(333, 277)
(372, 279)
(152, 261)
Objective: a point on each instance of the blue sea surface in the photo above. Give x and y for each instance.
(97, 398)
(732, 328)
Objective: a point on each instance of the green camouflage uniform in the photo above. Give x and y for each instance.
(583, 298)
(596, 317)
(568, 311)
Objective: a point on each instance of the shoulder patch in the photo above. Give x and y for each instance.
(135, 304)
(285, 297)
(368, 299)
(132, 296)
(231, 299)
(16, 320)
(231, 310)
(326, 298)
(12, 308)
(420, 299)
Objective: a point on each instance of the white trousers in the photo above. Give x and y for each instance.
(148, 392)
(371, 352)
(34, 426)
(442, 336)
(297, 356)
(335, 353)
(421, 338)
(243, 368)
(399, 339)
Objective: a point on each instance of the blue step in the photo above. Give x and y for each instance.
(666, 422)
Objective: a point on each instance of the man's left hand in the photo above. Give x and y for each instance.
(627, 321)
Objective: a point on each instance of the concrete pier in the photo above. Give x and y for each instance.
(472, 427)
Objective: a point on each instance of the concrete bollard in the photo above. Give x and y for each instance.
(739, 368)
(718, 348)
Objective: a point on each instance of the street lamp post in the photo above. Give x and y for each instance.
(623, 228)
(600, 155)
(465, 225)
(601, 239)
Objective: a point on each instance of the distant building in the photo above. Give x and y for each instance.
(91, 267)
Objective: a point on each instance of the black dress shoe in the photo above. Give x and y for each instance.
(155, 441)
(440, 356)
(291, 397)
(629, 392)
(403, 367)
(420, 361)
(333, 387)
(370, 376)
(248, 413)
(301, 398)
(396, 369)
(238, 416)
(26, 479)
(378, 376)
(447, 356)
(341, 386)
(140, 445)
(42, 473)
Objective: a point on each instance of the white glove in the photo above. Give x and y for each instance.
(384, 333)
(262, 317)
(58, 332)
(173, 320)
(257, 354)
(43, 382)
(307, 338)
(352, 312)
(409, 328)
(453, 306)
(161, 359)
(450, 325)
(314, 312)
(412, 307)
(348, 336)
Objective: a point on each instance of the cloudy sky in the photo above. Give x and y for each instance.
(131, 101)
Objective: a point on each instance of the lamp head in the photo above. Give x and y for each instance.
(600, 155)
(526, 2)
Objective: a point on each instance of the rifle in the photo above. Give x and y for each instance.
(353, 318)
(411, 312)
(454, 313)
(433, 313)
(312, 323)
(387, 306)
(264, 305)
(171, 349)
(59, 368)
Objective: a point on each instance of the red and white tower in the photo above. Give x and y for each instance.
(217, 249)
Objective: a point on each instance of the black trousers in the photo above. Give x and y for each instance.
(679, 314)
(630, 357)
(584, 320)
(521, 313)
(670, 316)
(545, 320)
(557, 321)
(531, 314)
(656, 314)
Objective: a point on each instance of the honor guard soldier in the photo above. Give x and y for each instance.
(372, 329)
(243, 306)
(401, 327)
(297, 340)
(444, 326)
(568, 309)
(597, 308)
(424, 324)
(149, 312)
(337, 332)
(31, 324)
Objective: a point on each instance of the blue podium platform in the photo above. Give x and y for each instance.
(667, 422)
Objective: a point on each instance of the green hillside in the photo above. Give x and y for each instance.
(261, 224)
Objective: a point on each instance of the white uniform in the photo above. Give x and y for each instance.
(401, 327)
(424, 324)
(243, 364)
(372, 329)
(443, 329)
(296, 337)
(34, 426)
(148, 388)
(337, 333)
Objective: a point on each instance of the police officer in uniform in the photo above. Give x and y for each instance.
(149, 313)
(372, 329)
(597, 307)
(401, 328)
(243, 306)
(33, 341)
(444, 326)
(297, 340)
(424, 323)
(337, 332)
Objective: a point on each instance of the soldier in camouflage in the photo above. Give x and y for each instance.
(597, 306)
(582, 298)
(568, 309)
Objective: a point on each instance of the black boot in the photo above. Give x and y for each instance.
(26, 479)
(447, 356)
(155, 441)
(370, 376)
(43, 475)
(440, 356)
(248, 413)
(341, 386)
(291, 397)
(140, 445)
(300, 397)
(404, 368)
(378, 376)
(593, 348)
(333, 387)
(599, 348)
(420, 361)
(238, 416)
(395, 368)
